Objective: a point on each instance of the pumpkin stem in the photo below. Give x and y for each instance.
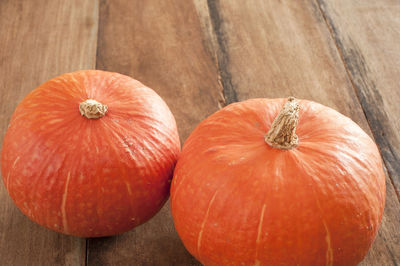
(282, 133)
(92, 109)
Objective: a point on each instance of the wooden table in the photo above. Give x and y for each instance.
(200, 56)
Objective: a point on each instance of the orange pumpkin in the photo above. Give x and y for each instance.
(254, 187)
(90, 153)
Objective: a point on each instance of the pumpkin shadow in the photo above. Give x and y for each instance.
(152, 243)
(132, 249)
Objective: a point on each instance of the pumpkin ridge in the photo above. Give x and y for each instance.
(258, 240)
(329, 251)
(204, 221)
(63, 203)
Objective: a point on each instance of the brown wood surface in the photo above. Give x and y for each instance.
(39, 40)
(283, 48)
(369, 48)
(199, 56)
(159, 43)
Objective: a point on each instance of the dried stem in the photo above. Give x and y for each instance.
(92, 109)
(282, 133)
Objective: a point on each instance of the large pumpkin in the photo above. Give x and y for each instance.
(90, 153)
(250, 191)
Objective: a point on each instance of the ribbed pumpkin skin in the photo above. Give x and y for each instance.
(237, 201)
(88, 177)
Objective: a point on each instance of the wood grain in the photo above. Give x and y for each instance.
(367, 34)
(200, 55)
(39, 40)
(161, 44)
(281, 48)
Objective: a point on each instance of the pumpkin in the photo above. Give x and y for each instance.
(264, 182)
(90, 154)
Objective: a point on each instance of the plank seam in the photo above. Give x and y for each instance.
(338, 45)
(222, 58)
(87, 252)
(99, 4)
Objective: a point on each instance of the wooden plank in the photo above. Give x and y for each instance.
(367, 34)
(281, 48)
(161, 44)
(39, 40)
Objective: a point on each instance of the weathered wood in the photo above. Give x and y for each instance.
(199, 55)
(159, 43)
(281, 48)
(39, 40)
(367, 35)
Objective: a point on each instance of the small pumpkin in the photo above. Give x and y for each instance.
(258, 186)
(90, 153)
